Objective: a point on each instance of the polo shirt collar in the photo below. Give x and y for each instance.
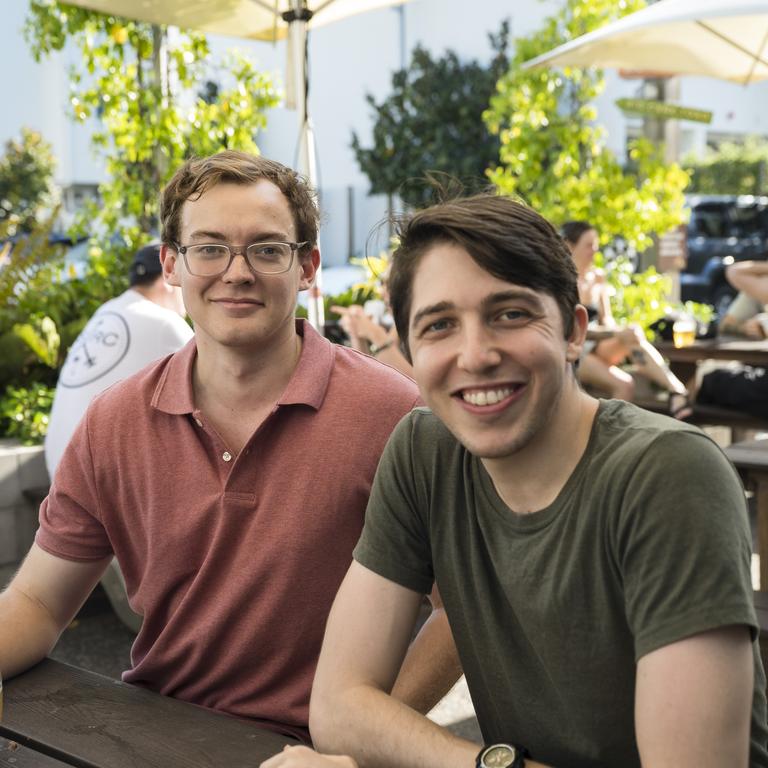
(307, 386)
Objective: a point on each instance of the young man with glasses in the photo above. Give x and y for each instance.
(229, 479)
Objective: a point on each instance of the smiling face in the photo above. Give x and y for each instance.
(489, 356)
(240, 308)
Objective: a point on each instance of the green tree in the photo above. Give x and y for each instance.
(732, 169)
(432, 121)
(139, 85)
(26, 183)
(553, 154)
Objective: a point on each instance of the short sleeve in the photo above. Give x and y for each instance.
(69, 524)
(683, 543)
(395, 540)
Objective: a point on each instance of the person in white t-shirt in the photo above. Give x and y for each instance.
(125, 334)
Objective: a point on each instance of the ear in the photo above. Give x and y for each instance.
(169, 258)
(309, 267)
(578, 334)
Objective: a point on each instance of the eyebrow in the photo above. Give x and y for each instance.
(513, 294)
(263, 237)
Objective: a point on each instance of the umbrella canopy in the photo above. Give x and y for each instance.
(251, 19)
(726, 39)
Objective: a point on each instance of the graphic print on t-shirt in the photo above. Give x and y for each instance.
(98, 349)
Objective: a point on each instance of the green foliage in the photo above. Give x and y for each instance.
(432, 121)
(24, 412)
(642, 298)
(732, 169)
(26, 183)
(553, 154)
(140, 88)
(42, 338)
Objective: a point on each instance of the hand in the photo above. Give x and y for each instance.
(753, 328)
(304, 757)
(359, 326)
(631, 335)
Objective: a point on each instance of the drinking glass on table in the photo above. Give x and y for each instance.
(684, 331)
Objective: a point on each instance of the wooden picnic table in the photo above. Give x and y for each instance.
(684, 360)
(56, 715)
(751, 460)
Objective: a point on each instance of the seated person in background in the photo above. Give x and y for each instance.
(599, 367)
(736, 385)
(125, 334)
(593, 558)
(746, 315)
(369, 333)
(143, 324)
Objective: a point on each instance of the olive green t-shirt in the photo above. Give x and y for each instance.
(647, 543)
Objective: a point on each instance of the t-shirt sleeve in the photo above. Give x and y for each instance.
(683, 543)
(70, 527)
(395, 540)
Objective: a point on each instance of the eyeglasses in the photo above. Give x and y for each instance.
(213, 259)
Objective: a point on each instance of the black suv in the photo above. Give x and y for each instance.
(722, 229)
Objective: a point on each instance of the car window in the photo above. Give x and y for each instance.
(709, 221)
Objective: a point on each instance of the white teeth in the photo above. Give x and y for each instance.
(486, 397)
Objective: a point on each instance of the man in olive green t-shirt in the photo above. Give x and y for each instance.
(594, 559)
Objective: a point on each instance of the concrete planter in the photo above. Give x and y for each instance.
(22, 469)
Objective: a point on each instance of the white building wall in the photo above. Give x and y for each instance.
(347, 60)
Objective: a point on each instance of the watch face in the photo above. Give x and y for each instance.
(499, 756)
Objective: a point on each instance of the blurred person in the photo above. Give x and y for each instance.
(746, 315)
(600, 365)
(593, 557)
(124, 334)
(371, 330)
(209, 476)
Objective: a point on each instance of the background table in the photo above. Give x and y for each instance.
(684, 360)
(62, 715)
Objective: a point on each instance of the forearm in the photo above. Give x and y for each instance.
(751, 277)
(28, 632)
(431, 666)
(379, 731)
(394, 357)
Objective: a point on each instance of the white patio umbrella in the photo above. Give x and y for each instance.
(267, 20)
(726, 39)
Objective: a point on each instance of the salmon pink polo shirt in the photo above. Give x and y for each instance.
(233, 561)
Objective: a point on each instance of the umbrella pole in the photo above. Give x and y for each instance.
(297, 19)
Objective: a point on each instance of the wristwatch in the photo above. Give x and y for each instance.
(501, 756)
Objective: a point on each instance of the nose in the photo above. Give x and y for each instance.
(238, 271)
(478, 351)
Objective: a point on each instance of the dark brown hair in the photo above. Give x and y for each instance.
(503, 236)
(573, 230)
(198, 175)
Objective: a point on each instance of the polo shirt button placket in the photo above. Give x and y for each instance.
(227, 456)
